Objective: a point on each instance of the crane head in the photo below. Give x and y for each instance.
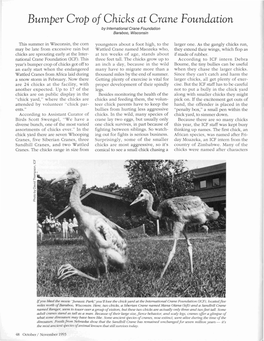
(144, 195)
(71, 175)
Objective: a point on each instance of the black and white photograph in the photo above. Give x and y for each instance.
(134, 228)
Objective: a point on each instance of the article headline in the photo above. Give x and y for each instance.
(112, 18)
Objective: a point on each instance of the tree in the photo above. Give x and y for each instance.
(163, 178)
(46, 199)
(111, 187)
(52, 199)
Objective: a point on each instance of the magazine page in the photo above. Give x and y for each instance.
(131, 170)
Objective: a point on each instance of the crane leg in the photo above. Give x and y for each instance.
(106, 270)
(189, 245)
(97, 269)
(176, 234)
(106, 266)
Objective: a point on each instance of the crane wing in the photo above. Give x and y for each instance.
(113, 225)
(182, 206)
(110, 235)
(116, 227)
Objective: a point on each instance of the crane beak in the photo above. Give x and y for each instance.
(135, 201)
(61, 178)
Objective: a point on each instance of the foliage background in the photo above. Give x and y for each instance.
(163, 178)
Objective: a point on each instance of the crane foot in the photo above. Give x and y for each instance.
(67, 270)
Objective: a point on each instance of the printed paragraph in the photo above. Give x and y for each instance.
(52, 132)
(210, 97)
(51, 75)
(131, 64)
(54, 76)
(131, 120)
(96, 313)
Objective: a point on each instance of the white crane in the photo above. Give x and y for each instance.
(103, 238)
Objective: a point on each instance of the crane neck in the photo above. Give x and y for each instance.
(151, 212)
(75, 201)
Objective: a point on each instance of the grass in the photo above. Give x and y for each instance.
(147, 259)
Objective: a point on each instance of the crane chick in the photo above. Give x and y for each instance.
(183, 211)
(104, 239)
